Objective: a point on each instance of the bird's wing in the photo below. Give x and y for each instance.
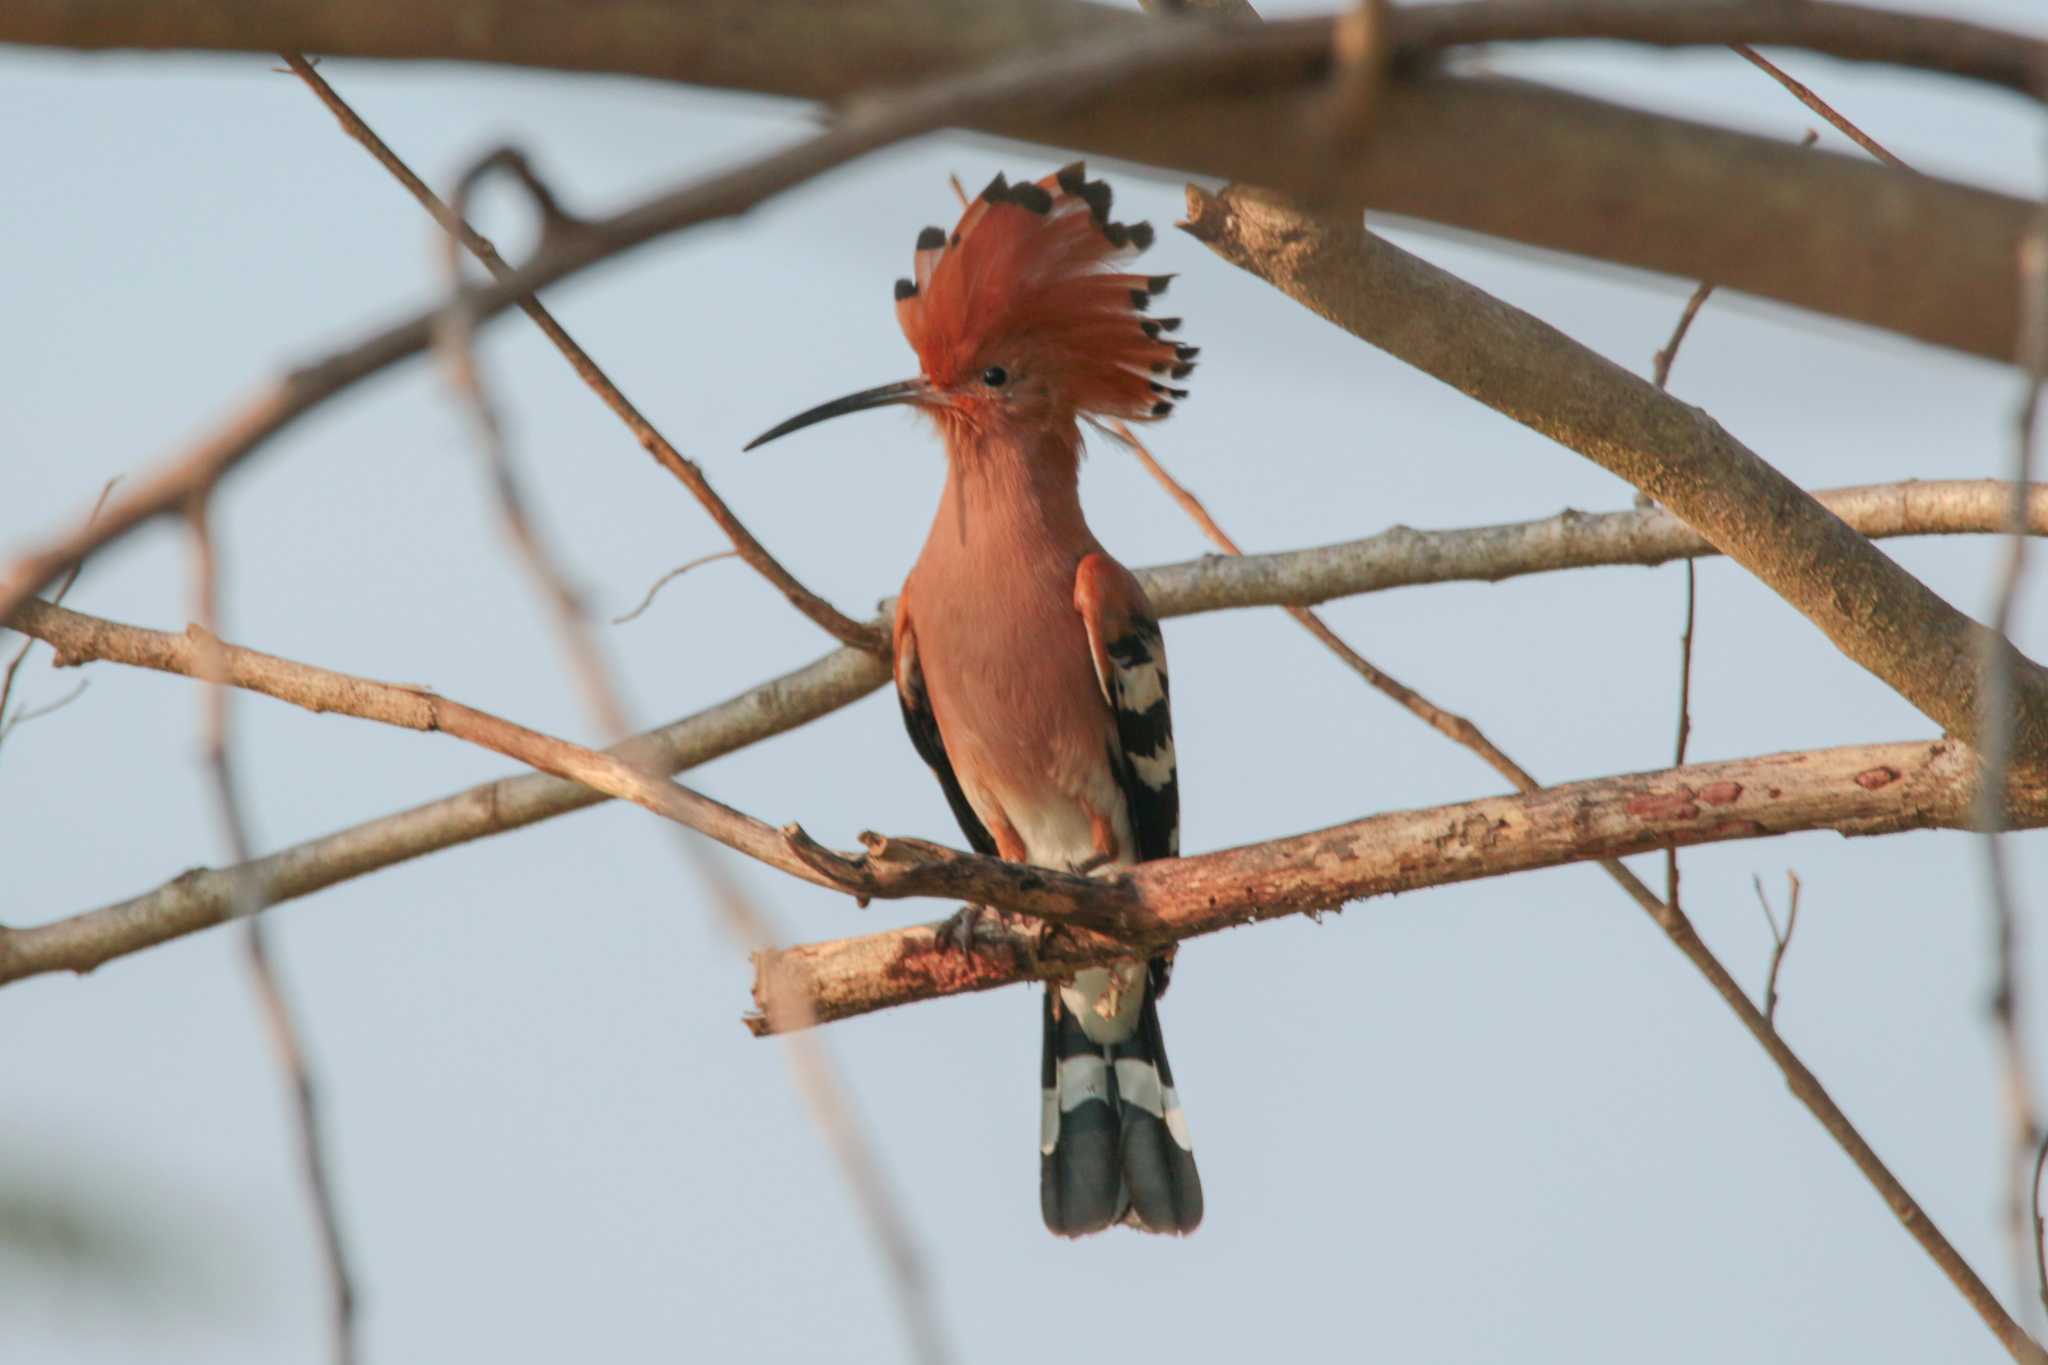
(1130, 663)
(923, 724)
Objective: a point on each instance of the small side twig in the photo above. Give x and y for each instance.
(24, 716)
(1781, 939)
(1819, 106)
(251, 897)
(1362, 51)
(21, 655)
(666, 579)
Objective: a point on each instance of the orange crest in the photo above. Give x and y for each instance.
(1028, 271)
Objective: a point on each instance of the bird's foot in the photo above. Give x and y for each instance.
(979, 930)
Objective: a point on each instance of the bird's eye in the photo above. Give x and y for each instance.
(995, 376)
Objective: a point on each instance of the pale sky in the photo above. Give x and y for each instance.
(1491, 1119)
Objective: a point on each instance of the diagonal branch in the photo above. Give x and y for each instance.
(889, 870)
(827, 617)
(1456, 728)
(1873, 610)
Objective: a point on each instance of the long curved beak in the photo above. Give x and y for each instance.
(913, 391)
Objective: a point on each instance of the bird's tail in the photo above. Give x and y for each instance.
(1113, 1143)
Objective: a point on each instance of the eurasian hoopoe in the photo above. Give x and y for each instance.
(1028, 662)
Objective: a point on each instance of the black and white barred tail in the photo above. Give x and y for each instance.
(1113, 1143)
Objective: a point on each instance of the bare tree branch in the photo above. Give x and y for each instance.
(1866, 789)
(1967, 303)
(200, 898)
(928, 38)
(1781, 939)
(1874, 611)
(1500, 157)
(7, 723)
(251, 897)
(455, 339)
(1870, 789)
(1458, 729)
(1805, 96)
(828, 617)
(2001, 745)
(671, 576)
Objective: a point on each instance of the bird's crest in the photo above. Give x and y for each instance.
(1030, 266)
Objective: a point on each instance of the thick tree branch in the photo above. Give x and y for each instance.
(1872, 609)
(1498, 157)
(202, 897)
(1863, 789)
(1846, 237)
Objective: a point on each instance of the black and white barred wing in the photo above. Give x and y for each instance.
(1130, 663)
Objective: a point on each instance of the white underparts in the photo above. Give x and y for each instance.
(1105, 1000)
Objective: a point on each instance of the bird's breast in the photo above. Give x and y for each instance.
(1012, 683)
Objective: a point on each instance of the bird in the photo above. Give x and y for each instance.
(1029, 665)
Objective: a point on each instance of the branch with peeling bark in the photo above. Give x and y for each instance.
(202, 898)
(1864, 789)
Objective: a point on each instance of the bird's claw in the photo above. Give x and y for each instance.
(980, 931)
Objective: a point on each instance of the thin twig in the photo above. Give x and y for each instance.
(1997, 667)
(457, 335)
(2040, 1229)
(686, 471)
(816, 1081)
(1819, 106)
(23, 717)
(1662, 362)
(14, 664)
(1661, 365)
(668, 578)
(1684, 715)
(251, 899)
(1780, 939)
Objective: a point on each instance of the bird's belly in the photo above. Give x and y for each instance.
(1022, 716)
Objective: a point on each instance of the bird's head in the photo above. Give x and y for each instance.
(1021, 321)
